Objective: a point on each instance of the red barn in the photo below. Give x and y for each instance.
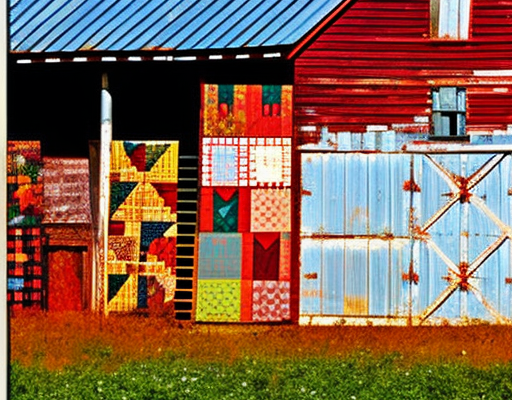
(397, 117)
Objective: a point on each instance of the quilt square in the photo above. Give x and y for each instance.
(225, 210)
(218, 300)
(271, 301)
(225, 165)
(270, 162)
(122, 292)
(270, 210)
(224, 162)
(266, 251)
(220, 256)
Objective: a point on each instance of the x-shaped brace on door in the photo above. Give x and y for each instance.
(459, 275)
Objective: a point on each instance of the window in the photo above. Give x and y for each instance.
(448, 111)
(450, 19)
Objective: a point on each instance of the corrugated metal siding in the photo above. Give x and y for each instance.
(377, 63)
(69, 26)
(363, 269)
(355, 192)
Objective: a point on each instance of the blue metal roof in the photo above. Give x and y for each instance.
(47, 26)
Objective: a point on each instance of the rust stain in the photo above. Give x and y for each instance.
(87, 47)
(411, 186)
(464, 193)
(411, 276)
(157, 48)
(387, 236)
(420, 234)
(463, 276)
(313, 275)
(312, 293)
(508, 281)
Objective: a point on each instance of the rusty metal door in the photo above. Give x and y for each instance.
(460, 237)
(422, 238)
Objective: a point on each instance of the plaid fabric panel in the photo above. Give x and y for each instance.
(220, 256)
(24, 215)
(271, 301)
(144, 203)
(24, 264)
(218, 300)
(270, 210)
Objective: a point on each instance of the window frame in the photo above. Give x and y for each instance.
(439, 16)
(453, 112)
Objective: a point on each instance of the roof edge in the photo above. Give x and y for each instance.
(154, 54)
(324, 24)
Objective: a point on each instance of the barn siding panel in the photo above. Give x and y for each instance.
(376, 65)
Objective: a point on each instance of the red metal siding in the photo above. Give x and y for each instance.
(377, 63)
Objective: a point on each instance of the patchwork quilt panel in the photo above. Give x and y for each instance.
(245, 204)
(26, 272)
(141, 266)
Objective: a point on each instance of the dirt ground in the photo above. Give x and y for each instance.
(58, 340)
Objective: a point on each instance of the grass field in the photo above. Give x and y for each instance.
(82, 356)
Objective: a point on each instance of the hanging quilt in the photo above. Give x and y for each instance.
(141, 263)
(26, 272)
(245, 204)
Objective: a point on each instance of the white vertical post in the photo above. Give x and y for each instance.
(104, 206)
(4, 333)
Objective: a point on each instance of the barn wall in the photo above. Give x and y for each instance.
(377, 64)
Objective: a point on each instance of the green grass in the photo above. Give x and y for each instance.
(356, 377)
(80, 356)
